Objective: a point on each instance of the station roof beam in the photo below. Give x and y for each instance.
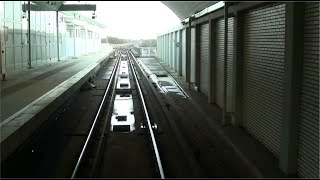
(67, 9)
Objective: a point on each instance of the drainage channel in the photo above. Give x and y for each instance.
(120, 145)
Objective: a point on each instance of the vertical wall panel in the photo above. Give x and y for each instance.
(172, 49)
(204, 59)
(162, 47)
(308, 152)
(168, 48)
(158, 49)
(179, 56)
(193, 55)
(176, 62)
(229, 65)
(183, 44)
(263, 71)
(219, 52)
(43, 37)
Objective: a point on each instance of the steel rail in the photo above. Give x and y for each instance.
(155, 148)
(102, 135)
(95, 120)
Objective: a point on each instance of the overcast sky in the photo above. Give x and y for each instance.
(133, 19)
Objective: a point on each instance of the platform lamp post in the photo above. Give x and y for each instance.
(57, 26)
(29, 35)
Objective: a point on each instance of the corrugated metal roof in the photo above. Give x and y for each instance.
(184, 9)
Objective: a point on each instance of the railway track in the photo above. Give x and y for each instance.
(117, 130)
(118, 125)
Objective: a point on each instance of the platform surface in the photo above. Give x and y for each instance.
(29, 96)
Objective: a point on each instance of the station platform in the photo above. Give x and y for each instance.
(29, 96)
(244, 154)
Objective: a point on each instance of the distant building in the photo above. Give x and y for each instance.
(148, 51)
(148, 47)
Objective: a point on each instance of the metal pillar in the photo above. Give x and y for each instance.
(224, 120)
(2, 41)
(236, 69)
(180, 53)
(57, 20)
(188, 52)
(292, 83)
(29, 34)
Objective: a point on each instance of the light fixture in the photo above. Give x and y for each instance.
(94, 15)
(24, 11)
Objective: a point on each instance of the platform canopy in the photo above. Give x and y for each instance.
(67, 9)
(184, 9)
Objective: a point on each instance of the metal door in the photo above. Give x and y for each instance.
(263, 71)
(204, 59)
(308, 151)
(219, 52)
(193, 55)
(183, 46)
(229, 65)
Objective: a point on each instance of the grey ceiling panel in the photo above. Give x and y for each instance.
(184, 9)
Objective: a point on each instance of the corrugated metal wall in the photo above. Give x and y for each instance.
(219, 51)
(171, 50)
(193, 55)
(183, 44)
(263, 71)
(162, 47)
(229, 65)
(176, 62)
(308, 152)
(204, 59)
(167, 49)
(220, 62)
(159, 47)
(179, 54)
